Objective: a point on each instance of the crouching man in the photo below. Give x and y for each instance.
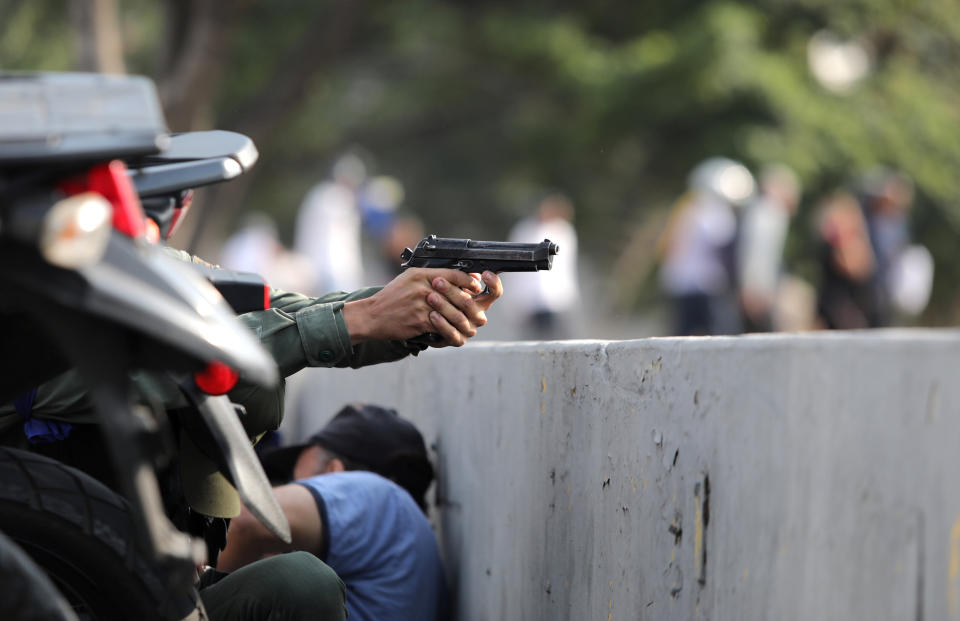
(357, 503)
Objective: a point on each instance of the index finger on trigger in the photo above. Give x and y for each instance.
(493, 284)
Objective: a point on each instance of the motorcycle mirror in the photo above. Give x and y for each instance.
(165, 179)
(207, 145)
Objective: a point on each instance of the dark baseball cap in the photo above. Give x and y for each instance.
(372, 438)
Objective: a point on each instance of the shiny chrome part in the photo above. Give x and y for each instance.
(76, 231)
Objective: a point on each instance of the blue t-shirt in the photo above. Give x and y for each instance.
(381, 545)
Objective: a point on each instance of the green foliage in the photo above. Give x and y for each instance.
(479, 107)
(34, 36)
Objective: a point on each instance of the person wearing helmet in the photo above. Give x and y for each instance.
(698, 249)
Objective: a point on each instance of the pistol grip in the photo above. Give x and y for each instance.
(427, 338)
(430, 338)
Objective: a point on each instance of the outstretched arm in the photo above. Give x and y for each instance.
(248, 540)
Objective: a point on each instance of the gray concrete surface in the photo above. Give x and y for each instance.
(788, 477)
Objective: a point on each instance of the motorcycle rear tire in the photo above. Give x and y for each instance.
(27, 593)
(82, 535)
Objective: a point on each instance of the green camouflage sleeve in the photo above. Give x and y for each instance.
(300, 331)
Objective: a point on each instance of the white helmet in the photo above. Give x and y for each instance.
(727, 179)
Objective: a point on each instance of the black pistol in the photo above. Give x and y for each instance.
(468, 255)
(472, 256)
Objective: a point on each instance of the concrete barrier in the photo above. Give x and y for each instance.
(789, 477)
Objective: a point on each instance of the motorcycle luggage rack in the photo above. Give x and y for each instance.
(66, 118)
(192, 160)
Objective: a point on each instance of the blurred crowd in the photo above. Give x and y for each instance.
(349, 233)
(722, 254)
(352, 227)
(722, 262)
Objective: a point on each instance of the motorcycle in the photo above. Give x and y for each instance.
(81, 288)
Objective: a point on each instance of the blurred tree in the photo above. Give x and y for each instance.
(97, 44)
(196, 34)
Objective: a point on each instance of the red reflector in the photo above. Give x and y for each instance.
(110, 180)
(216, 379)
(179, 212)
(266, 297)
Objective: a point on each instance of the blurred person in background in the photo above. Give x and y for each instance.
(406, 230)
(328, 228)
(904, 271)
(256, 247)
(763, 233)
(548, 300)
(388, 229)
(698, 249)
(379, 199)
(848, 267)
